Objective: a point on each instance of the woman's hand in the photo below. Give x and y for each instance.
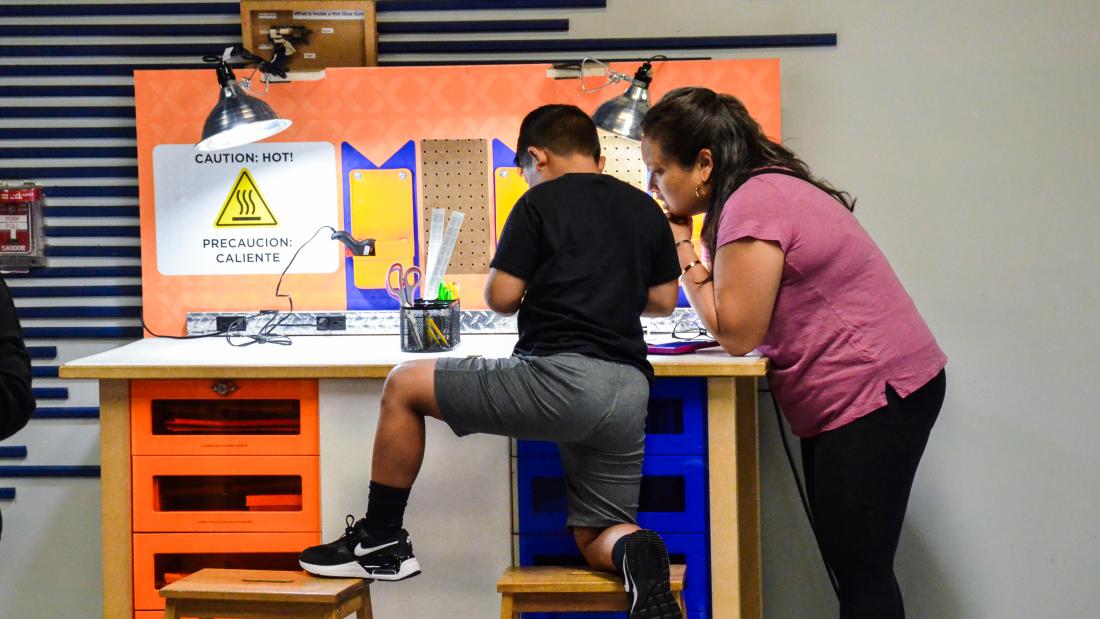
(681, 226)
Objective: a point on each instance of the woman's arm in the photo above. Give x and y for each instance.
(736, 304)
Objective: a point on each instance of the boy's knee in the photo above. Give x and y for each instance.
(412, 383)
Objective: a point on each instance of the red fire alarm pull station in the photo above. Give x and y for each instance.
(22, 239)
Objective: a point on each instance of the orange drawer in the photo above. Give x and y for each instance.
(255, 417)
(226, 493)
(161, 556)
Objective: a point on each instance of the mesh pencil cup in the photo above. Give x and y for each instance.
(430, 326)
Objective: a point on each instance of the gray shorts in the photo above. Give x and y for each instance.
(594, 410)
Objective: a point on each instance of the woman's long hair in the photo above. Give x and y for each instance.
(687, 120)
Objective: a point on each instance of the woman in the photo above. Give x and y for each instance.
(785, 268)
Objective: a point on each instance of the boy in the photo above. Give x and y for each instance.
(581, 258)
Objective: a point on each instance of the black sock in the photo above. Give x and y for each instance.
(386, 509)
(617, 552)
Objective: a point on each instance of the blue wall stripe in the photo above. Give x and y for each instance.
(69, 133)
(75, 251)
(108, 10)
(121, 30)
(89, 211)
(62, 70)
(121, 111)
(13, 451)
(94, 191)
(7, 494)
(233, 8)
(83, 90)
(42, 352)
(473, 26)
(66, 412)
(68, 152)
(387, 6)
(95, 311)
(117, 49)
(592, 45)
(475, 61)
(234, 30)
(93, 231)
(49, 471)
(83, 333)
(44, 371)
(50, 393)
(81, 272)
(80, 171)
(28, 292)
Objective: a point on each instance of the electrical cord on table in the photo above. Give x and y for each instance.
(266, 333)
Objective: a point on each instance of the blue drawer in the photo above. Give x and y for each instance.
(686, 548)
(676, 423)
(673, 496)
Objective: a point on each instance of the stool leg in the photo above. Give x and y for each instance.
(508, 607)
(170, 609)
(365, 611)
(680, 603)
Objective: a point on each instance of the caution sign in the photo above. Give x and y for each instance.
(245, 205)
(265, 200)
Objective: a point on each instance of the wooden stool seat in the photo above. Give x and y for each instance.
(561, 589)
(255, 594)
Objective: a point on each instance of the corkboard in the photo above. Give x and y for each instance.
(344, 33)
(624, 159)
(455, 177)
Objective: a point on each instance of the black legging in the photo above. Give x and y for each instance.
(858, 477)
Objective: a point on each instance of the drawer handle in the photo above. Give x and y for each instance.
(223, 388)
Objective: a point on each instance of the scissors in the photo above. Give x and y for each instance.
(407, 282)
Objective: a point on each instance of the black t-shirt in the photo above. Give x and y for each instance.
(589, 247)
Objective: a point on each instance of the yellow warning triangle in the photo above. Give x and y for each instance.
(245, 205)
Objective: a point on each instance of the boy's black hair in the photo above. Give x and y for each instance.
(560, 129)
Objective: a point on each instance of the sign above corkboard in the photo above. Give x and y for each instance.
(322, 33)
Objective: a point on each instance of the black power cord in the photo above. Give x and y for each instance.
(802, 494)
(266, 334)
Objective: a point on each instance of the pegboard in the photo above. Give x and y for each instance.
(455, 177)
(624, 159)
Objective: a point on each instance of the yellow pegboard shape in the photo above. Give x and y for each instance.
(508, 186)
(382, 209)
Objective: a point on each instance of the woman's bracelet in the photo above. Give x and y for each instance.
(688, 267)
(688, 241)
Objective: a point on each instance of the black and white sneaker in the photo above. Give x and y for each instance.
(358, 554)
(645, 573)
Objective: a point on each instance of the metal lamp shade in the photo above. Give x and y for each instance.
(623, 114)
(237, 119)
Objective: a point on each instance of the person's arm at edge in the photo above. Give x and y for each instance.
(504, 292)
(662, 299)
(736, 304)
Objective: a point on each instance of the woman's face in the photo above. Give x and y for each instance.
(672, 183)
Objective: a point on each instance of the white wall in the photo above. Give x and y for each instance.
(970, 132)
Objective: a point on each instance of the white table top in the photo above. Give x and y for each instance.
(336, 356)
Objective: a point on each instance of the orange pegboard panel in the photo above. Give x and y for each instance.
(259, 417)
(226, 493)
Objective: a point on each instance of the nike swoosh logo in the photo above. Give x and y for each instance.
(360, 551)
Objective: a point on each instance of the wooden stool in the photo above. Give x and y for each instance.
(255, 594)
(561, 589)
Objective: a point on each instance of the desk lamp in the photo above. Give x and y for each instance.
(238, 118)
(623, 114)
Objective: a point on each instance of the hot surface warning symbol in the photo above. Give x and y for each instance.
(245, 205)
